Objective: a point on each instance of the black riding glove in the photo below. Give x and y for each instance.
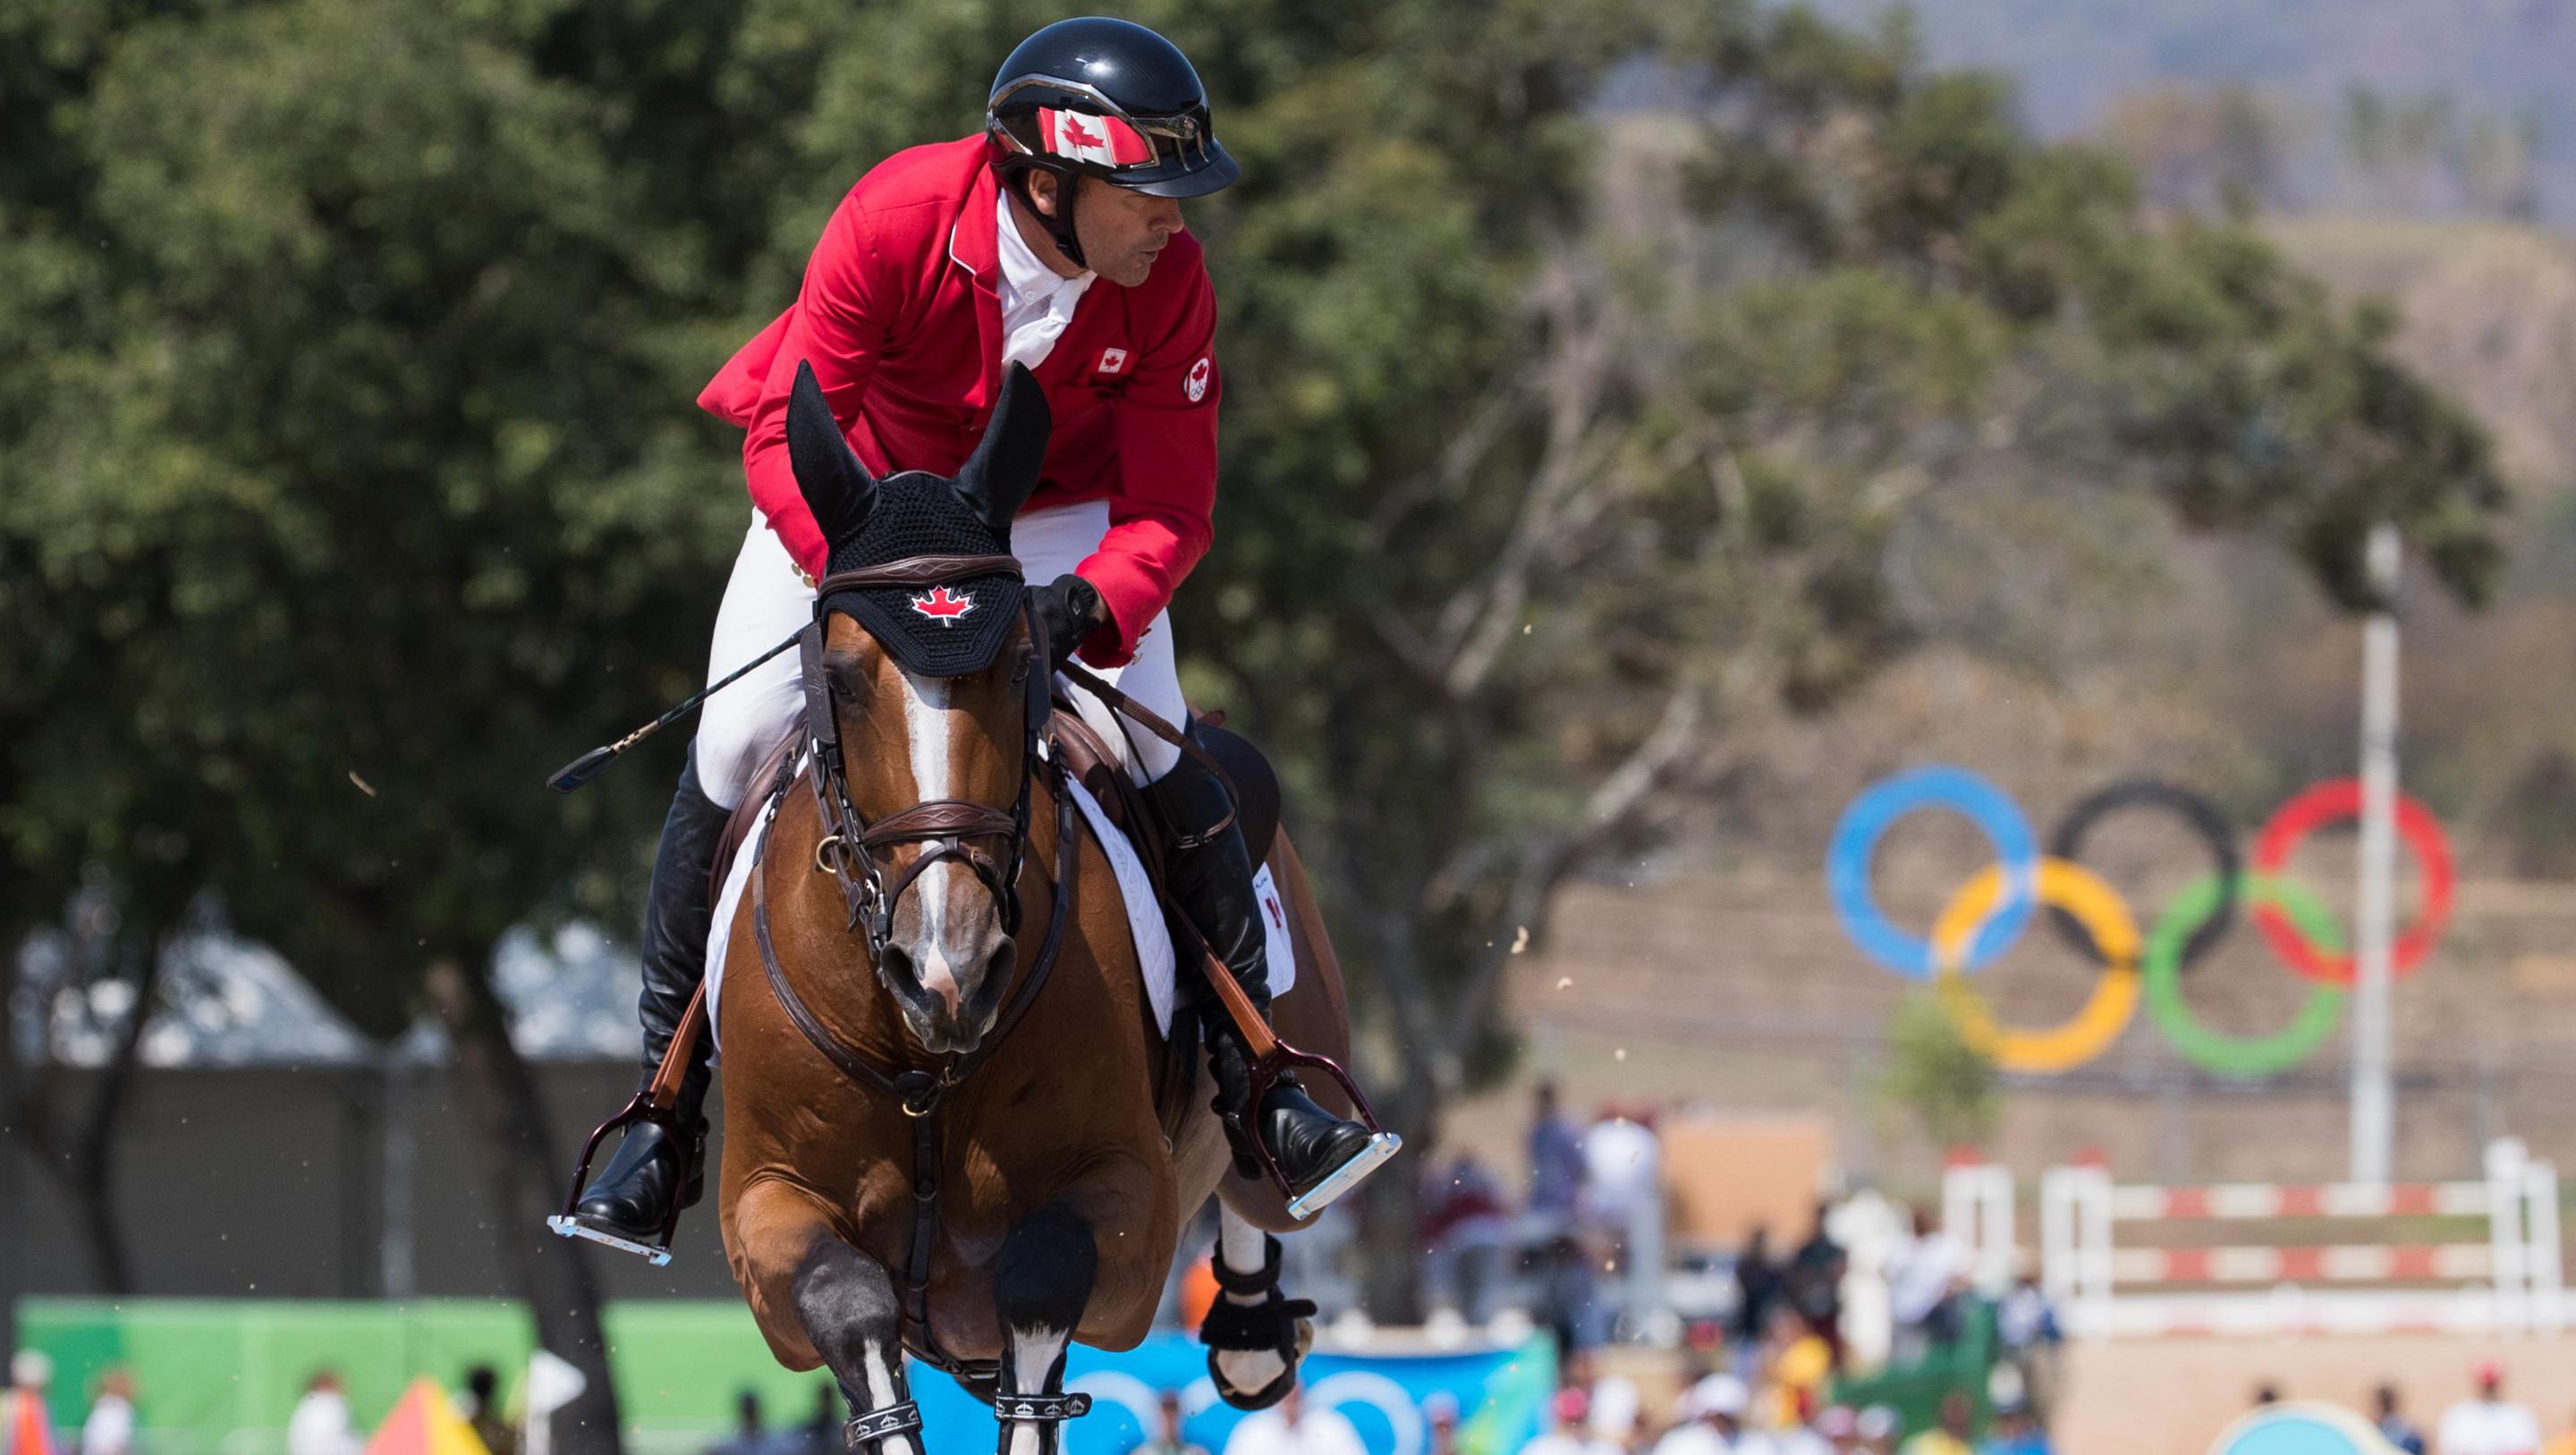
(1070, 609)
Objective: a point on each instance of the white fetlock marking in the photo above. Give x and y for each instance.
(1238, 1242)
(1241, 1247)
(877, 1369)
(1033, 1354)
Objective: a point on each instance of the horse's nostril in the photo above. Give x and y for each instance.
(999, 964)
(898, 966)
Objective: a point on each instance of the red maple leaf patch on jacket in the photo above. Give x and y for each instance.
(943, 608)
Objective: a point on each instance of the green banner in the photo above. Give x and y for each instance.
(220, 1377)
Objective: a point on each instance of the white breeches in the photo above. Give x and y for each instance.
(766, 601)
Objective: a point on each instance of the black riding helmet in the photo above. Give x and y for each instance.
(1107, 99)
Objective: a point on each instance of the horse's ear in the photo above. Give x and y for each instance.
(1004, 468)
(837, 487)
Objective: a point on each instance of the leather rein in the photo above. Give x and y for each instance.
(849, 852)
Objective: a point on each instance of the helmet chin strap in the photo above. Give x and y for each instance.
(1059, 225)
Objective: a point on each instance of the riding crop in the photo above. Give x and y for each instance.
(590, 765)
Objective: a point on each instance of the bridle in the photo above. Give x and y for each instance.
(848, 851)
(850, 845)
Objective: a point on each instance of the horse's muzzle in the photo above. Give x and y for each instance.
(949, 1008)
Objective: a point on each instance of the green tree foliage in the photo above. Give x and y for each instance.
(349, 478)
(1945, 1086)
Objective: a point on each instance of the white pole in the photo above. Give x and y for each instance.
(2374, 1108)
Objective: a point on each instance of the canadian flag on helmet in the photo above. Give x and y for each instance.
(1086, 138)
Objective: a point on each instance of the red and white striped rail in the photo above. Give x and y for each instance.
(2281, 1200)
(2505, 1276)
(2336, 1263)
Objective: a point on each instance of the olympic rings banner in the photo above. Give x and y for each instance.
(1996, 904)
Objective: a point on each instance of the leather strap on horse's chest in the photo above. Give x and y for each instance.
(920, 1093)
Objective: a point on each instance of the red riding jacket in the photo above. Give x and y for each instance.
(900, 319)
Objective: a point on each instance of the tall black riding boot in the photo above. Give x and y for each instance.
(1209, 872)
(630, 1199)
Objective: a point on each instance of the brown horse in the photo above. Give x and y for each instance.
(942, 1129)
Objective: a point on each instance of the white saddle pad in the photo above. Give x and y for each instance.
(1155, 959)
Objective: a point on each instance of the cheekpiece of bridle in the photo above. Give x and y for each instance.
(852, 849)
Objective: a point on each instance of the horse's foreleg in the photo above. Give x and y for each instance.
(846, 1301)
(1040, 1287)
(1254, 1336)
(819, 1299)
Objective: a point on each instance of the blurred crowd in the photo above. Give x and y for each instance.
(1721, 1414)
(1866, 1283)
(1776, 1397)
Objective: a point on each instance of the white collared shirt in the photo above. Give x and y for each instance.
(1037, 302)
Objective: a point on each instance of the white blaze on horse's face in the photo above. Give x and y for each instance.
(948, 939)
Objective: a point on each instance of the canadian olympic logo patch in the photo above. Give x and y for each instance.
(1112, 360)
(943, 608)
(1195, 385)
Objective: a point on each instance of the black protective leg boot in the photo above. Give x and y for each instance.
(1210, 877)
(631, 1197)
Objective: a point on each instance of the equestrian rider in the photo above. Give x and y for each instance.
(1052, 240)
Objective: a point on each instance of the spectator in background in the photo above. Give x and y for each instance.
(1566, 1417)
(1924, 1281)
(1950, 1437)
(2016, 1432)
(2026, 1326)
(1167, 1438)
(1569, 1297)
(1813, 1282)
(109, 1430)
(821, 1434)
(1839, 1428)
(483, 1411)
(1803, 1437)
(320, 1424)
(749, 1436)
(2398, 1430)
(1623, 1200)
(1464, 1226)
(1877, 1427)
(1616, 1407)
(1799, 1365)
(1440, 1414)
(1757, 1288)
(1713, 1421)
(1622, 1170)
(1289, 1428)
(26, 1428)
(1555, 1162)
(2488, 1424)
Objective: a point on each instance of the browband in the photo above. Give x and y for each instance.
(918, 571)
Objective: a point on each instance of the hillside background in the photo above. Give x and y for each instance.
(2421, 153)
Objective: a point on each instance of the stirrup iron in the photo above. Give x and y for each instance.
(568, 1223)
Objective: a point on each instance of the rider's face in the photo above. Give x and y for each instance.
(1122, 232)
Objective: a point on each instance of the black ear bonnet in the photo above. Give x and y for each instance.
(956, 628)
(950, 630)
